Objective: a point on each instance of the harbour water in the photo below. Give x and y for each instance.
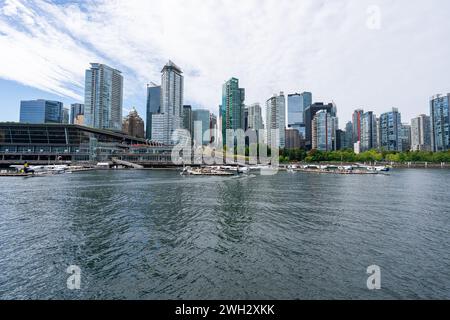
(157, 235)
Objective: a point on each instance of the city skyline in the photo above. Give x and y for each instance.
(313, 55)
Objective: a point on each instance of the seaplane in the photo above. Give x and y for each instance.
(41, 170)
(374, 168)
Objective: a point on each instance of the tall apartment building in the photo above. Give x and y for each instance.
(103, 97)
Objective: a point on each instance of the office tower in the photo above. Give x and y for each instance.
(405, 136)
(276, 120)
(66, 116)
(76, 113)
(356, 119)
(188, 120)
(245, 118)
(133, 125)
(213, 128)
(421, 133)
(41, 111)
(201, 125)
(390, 131)
(153, 106)
(294, 139)
(297, 104)
(334, 129)
(368, 136)
(322, 131)
(340, 139)
(255, 120)
(440, 122)
(170, 117)
(349, 135)
(310, 112)
(232, 108)
(103, 97)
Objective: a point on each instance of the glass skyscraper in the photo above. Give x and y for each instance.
(390, 131)
(170, 117)
(297, 104)
(310, 112)
(440, 122)
(41, 111)
(103, 98)
(232, 108)
(322, 131)
(255, 120)
(201, 120)
(153, 107)
(76, 110)
(368, 131)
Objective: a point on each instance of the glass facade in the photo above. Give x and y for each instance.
(171, 113)
(72, 143)
(41, 111)
(440, 123)
(201, 120)
(103, 98)
(310, 112)
(76, 109)
(390, 131)
(233, 107)
(368, 131)
(297, 104)
(322, 131)
(153, 107)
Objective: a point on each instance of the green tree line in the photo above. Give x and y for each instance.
(290, 155)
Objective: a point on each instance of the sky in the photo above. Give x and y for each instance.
(374, 55)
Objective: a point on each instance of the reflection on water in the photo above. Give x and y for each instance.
(156, 235)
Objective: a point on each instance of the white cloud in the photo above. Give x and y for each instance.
(319, 45)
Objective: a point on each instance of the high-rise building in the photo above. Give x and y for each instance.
(310, 112)
(297, 104)
(201, 125)
(348, 136)
(232, 108)
(66, 116)
(322, 128)
(405, 133)
(245, 118)
(76, 110)
(41, 111)
(368, 131)
(133, 125)
(340, 139)
(356, 119)
(153, 106)
(440, 122)
(170, 117)
(213, 128)
(390, 131)
(188, 120)
(103, 97)
(294, 139)
(255, 119)
(421, 133)
(276, 120)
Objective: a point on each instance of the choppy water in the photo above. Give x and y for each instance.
(156, 235)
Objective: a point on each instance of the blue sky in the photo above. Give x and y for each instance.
(374, 54)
